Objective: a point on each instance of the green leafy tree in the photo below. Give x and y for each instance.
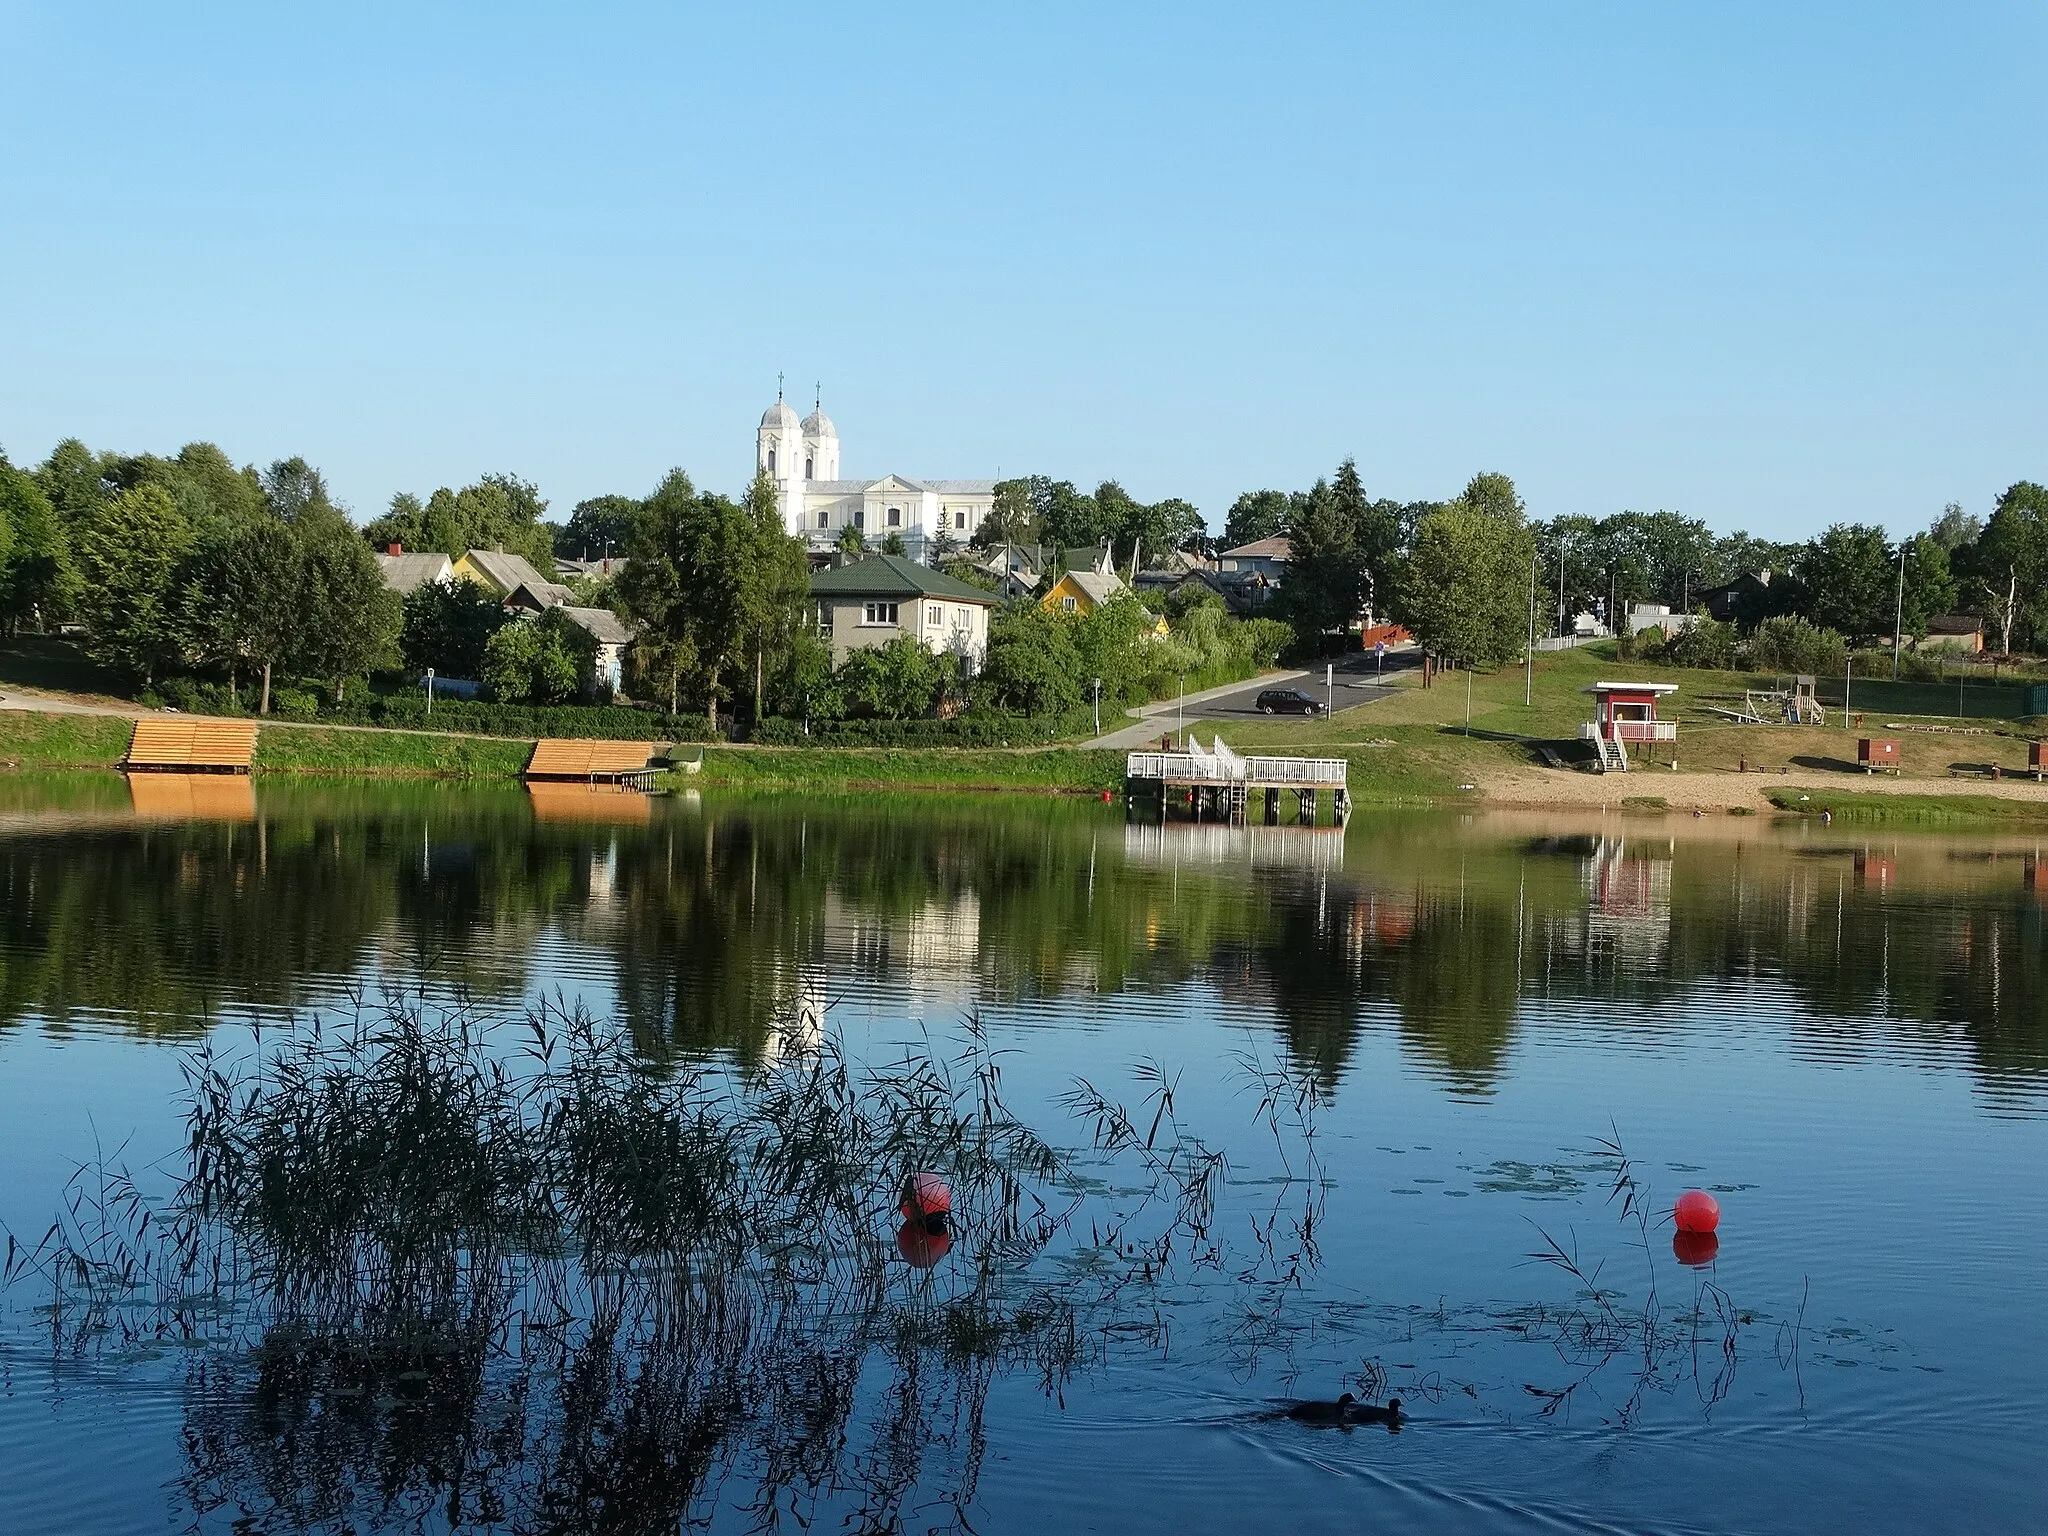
(1930, 586)
(129, 549)
(1032, 666)
(1253, 516)
(533, 661)
(598, 527)
(244, 595)
(2009, 564)
(37, 581)
(1846, 581)
(1786, 642)
(1465, 589)
(692, 579)
(72, 479)
(851, 542)
(893, 544)
(349, 621)
(446, 627)
(1955, 529)
(1011, 519)
(1325, 589)
(778, 590)
(498, 512)
(898, 681)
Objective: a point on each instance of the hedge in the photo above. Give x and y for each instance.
(974, 729)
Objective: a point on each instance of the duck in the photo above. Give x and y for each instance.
(1346, 1410)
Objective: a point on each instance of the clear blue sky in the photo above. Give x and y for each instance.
(1772, 265)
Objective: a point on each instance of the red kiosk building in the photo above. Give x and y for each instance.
(1626, 712)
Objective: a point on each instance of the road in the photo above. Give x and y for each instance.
(1239, 701)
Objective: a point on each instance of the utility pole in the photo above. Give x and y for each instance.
(1529, 659)
(1468, 698)
(1899, 611)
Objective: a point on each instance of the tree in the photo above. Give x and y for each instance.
(446, 627)
(1253, 516)
(295, 489)
(691, 577)
(1930, 587)
(1955, 528)
(1846, 580)
(1031, 665)
(244, 595)
(2010, 563)
(851, 542)
(36, 576)
(128, 552)
(349, 620)
(779, 592)
(897, 681)
(1465, 588)
(498, 512)
(598, 527)
(1010, 519)
(893, 543)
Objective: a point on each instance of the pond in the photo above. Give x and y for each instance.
(1237, 1117)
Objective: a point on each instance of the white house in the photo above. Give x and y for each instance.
(802, 458)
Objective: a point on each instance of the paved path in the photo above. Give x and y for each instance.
(1239, 701)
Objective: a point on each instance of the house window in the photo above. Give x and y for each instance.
(1068, 604)
(824, 519)
(895, 517)
(935, 616)
(959, 519)
(807, 470)
(879, 613)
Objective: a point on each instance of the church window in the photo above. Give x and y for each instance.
(771, 461)
(960, 519)
(807, 470)
(824, 519)
(895, 517)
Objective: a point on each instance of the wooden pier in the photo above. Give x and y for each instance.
(1222, 781)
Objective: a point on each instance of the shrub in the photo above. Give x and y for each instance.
(1789, 643)
(294, 704)
(1708, 643)
(979, 728)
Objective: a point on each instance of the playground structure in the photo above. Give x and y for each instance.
(1792, 702)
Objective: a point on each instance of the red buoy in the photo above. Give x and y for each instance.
(921, 1247)
(1697, 1211)
(923, 1196)
(1695, 1250)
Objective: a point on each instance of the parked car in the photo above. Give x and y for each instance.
(1288, 701)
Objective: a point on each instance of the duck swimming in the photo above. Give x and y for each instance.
(1347, 1410)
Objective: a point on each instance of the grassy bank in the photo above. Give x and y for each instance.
(312, 749)
(1047, 770)
(1947, 812)
(31, 741)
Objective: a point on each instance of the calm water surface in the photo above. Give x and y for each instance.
(1844, 1034)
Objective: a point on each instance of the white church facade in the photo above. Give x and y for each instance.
(802, 458)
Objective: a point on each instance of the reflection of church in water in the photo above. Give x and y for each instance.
(802, 458)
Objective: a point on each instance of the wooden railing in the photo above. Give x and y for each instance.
(1203, 768)
(1633, 730)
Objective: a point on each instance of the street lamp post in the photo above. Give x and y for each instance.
(1098, 706)
(429, 680)
(1899, 611)
(1529, 658)
(1180, 710)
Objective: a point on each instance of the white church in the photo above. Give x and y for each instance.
(802, 458)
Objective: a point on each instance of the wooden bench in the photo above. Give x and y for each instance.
(614, 762)
(189, 746)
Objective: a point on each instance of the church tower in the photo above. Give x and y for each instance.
(821, 445)
(779, 450)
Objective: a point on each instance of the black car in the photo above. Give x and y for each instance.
(1287, 701)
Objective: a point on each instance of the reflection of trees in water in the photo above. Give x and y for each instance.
(717, 917)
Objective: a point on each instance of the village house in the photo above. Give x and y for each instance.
(511, 579)
(609, 637)
(405, 574)
(872, 601)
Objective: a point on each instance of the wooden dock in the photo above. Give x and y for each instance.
(1224, 781)
(593, 762)
(163, 745)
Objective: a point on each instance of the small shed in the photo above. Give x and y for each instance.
(1628, 712)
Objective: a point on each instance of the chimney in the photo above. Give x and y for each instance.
(394, 548)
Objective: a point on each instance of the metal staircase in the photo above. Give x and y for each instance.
(1613, 755)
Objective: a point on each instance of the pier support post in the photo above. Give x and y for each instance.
(1308, 806)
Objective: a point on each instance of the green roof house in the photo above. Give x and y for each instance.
(872, 601)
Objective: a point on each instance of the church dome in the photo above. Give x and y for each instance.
(779, 415)
(818, 424)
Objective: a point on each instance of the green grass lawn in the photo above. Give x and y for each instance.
(311, 749)
(31, 741)
(1430, 747)
(1048, 769)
